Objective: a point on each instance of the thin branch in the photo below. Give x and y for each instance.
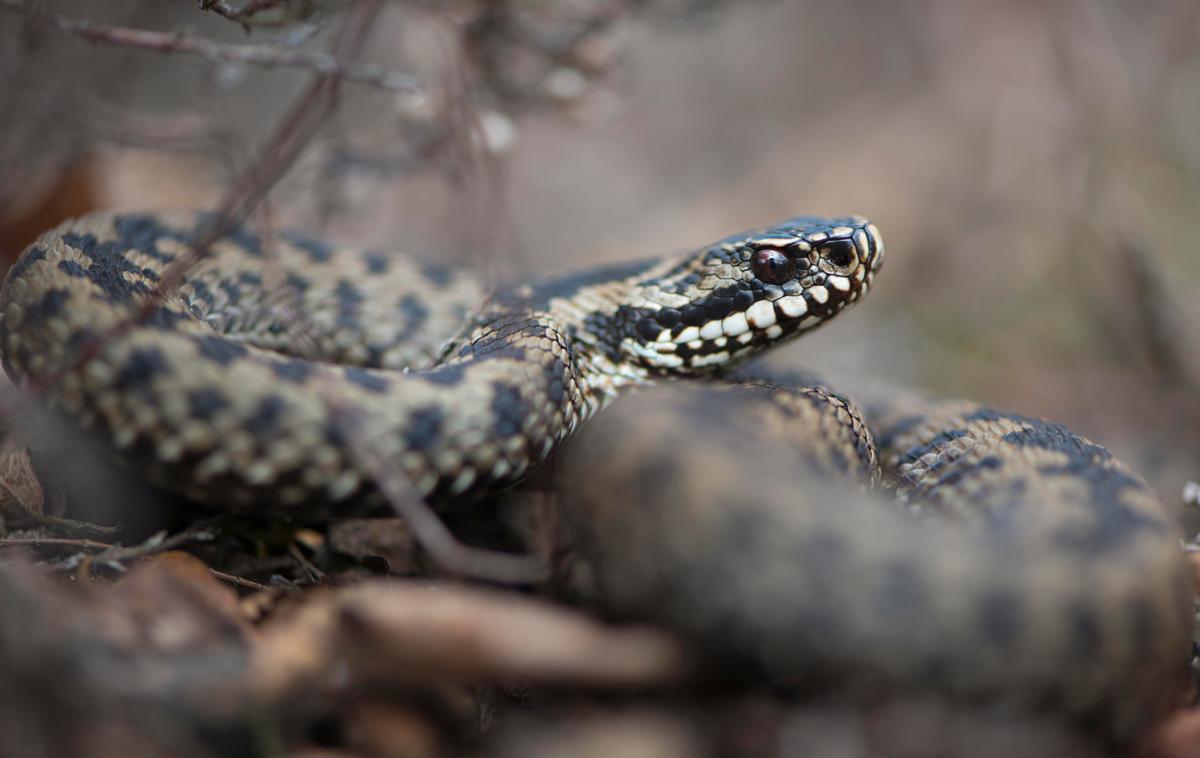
(53, 541)
(108, 547)
(220, 52)
(295, 130)
(430, 532)
(1160, 331)
(239, 581)
(249, 8)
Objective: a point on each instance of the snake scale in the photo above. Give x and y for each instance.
(1013, 560)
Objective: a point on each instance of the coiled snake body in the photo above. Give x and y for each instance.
(254, 380)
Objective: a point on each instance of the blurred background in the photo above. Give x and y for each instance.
(1034, 167)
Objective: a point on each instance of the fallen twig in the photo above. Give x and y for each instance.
(239, 581)
(57, 541)
(111, 552)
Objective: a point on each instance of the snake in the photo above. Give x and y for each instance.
(921, 544)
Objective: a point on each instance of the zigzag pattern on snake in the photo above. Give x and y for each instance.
(235, 391)
(229, 392)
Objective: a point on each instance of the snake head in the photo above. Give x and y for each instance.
(749, 291)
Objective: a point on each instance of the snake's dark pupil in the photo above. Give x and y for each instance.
(839, 252)
(772, 266)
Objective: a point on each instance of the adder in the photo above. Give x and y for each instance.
(1037, 569)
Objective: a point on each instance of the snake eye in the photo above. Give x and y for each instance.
(772, 266)
(840, 254)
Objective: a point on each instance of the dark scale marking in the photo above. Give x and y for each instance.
(233, 293)
(201, 292)
(293, 371)
(669, 317)
(108, 268)
(556, 382)
(376, 263)
(718, 307)
(336, 433)
(508, 410)
(610, 329)
(142, 233)
(72, 268)
(266, 416)
(349, 304)
(297, 282)
(31, 256)
(206, 403)
(220, 349)
(743, 299)
(647, 329)
(375, 356)
(437, 273)
(424, 428)
(251, 278)
(694, 315)
(140, 368)
(317, 250)
(1085, 632)
(503, 349)
(49, 306)
(1000, 620)
(82, 337)
(367, 380)
(953, 477)
(164, 318)
(1115, 522)
(445, 375)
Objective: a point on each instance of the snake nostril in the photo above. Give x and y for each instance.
(840, 253)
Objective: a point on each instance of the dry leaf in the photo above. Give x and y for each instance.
(387, 539)
(20, 491)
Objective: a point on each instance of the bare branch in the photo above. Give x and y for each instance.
(431, 533)
(119, 553)
(293, 133)
(220, 52)
(241, 14)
